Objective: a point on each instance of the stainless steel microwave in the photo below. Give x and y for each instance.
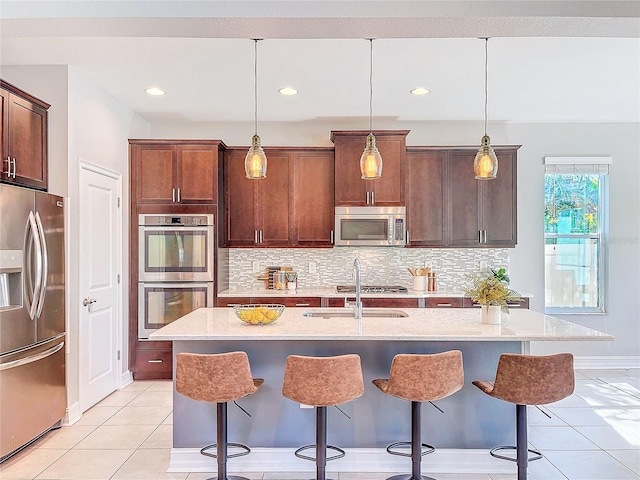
(371, 226)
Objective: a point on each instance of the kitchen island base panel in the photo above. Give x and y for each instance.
(471, 420)
(357, 460)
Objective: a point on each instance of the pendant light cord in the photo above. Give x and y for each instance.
(255, 85)
(486, 76)
(370, 85)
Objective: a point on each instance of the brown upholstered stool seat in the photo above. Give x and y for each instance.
(217, 378)
(322, 382)
(421, 378)
(528, 380)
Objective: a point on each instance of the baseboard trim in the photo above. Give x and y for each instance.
(356, 460)
(125, 379)
(72, 415)
(606, 362)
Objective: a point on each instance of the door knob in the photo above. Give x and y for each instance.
(88, 301)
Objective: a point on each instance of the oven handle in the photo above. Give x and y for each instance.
(199, 228)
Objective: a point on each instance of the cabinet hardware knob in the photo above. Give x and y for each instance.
(154, 361)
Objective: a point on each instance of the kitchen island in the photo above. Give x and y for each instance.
(471, 420)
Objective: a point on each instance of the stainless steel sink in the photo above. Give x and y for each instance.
(348, 312)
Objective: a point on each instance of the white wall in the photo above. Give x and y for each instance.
(84, 123)
(99, 129)
(621, 141)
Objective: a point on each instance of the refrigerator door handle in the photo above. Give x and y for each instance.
(32, 358)
(45, 265)
(32, 292)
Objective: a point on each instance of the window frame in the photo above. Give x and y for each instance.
(582, 168)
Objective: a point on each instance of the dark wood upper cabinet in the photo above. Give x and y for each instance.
(313, 187)
(448, 207)
(175, 171)
(293, 206)
(258, 212)
(427, 206)
(350, 189)
(483, 213)
(23, 137)
(274, 200)
(240, 201)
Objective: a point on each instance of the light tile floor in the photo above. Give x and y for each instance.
(592, 435)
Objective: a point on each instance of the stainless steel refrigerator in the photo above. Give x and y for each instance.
(33, 395)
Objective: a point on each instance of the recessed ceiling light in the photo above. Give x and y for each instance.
(419, 91)
(155, 91)
(288, 91)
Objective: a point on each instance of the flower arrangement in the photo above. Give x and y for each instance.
(493, 289)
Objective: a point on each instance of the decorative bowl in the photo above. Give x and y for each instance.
(258, 314)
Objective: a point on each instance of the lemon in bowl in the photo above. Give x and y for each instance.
(258, 314)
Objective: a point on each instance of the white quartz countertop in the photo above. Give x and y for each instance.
(422, 324)
(330, 292)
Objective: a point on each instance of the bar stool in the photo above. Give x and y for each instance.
(528, 380)
(218, 378)
(322, 382)
(421, 378)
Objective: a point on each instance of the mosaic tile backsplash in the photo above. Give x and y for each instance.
(328, 267)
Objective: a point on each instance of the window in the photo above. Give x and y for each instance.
(575, 197)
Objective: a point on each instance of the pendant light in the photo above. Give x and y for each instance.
(255, 163)
(371, 160)
(485, 165)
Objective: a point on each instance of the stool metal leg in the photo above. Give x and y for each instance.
(416, 447)
(222, 445)
(522, 452)
(321, 443)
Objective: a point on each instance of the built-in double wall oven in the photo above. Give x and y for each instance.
(176, 267)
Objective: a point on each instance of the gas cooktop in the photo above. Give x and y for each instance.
(371, 289)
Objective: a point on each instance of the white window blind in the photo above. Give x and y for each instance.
(577, 165)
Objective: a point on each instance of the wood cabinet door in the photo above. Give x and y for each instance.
(154, 173)
(197, 173)
(463, 200)
(240, 200)
(426, 198)
(389, 189)
(27, 142)
(313, 207)
(275, 200)
(4, 129)
(498, 203)
(350, 188)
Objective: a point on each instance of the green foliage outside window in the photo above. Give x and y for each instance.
(571, 203)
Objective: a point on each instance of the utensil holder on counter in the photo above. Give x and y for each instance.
(279, 280)
(420, 283)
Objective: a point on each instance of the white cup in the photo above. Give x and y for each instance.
(420, 283)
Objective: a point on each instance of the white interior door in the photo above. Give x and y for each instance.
(100, 231)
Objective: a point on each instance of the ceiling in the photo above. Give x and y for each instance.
(549, 61)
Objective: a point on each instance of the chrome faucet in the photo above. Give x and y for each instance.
(357, 307)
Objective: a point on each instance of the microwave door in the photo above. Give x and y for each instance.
(364, 230)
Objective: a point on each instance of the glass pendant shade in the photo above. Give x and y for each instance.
(371, 160)
(485, 165)
(255, 163)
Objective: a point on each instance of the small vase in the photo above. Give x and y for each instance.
(491, 314)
